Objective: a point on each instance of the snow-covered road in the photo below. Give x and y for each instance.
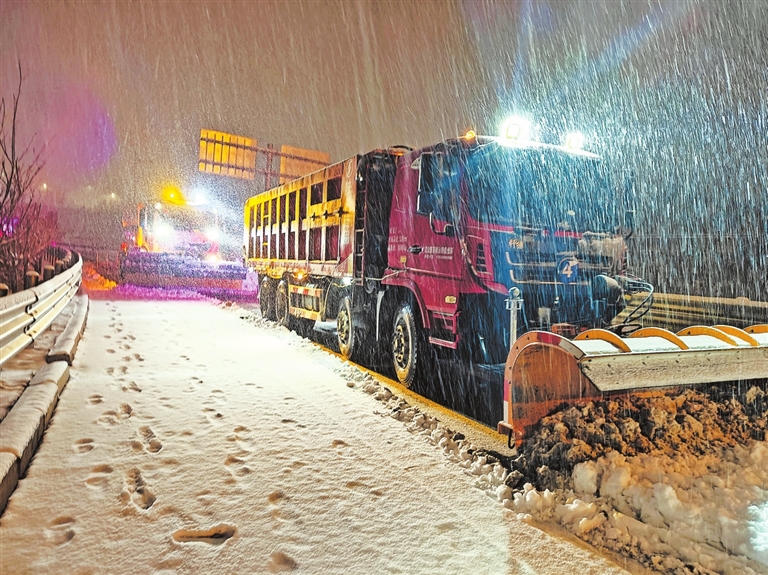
(191, 441)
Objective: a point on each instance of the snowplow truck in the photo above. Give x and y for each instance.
(177, 246)
(459, 248)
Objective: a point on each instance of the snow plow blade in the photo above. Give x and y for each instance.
(545, 371)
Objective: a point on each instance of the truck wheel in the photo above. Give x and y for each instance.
(406, 347)
(282, 311)
(267, 299)
(349, 341)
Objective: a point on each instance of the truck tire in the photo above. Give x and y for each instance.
(348, 338)
(282, 311)
(267, 299)
(407, 345)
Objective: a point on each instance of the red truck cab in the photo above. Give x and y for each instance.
(472, 218)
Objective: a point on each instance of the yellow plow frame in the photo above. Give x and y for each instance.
(544, 370)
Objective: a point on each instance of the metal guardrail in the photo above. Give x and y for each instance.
(678, 311)
(105, 260)
(27, 314)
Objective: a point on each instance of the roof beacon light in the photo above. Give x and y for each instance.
(516, 129)
(574, 141)
(470, 135)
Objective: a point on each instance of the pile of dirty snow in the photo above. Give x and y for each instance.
(692, 423)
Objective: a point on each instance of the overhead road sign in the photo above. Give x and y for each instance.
(227, 154)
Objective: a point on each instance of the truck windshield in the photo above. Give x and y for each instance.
(539, 187)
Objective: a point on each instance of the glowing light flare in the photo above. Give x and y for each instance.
(173, 195)
(516, 129)
(199, 198)
(470, 135)
(212, 234)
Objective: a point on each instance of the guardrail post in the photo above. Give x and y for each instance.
(58, 266)
(4, 290)
(30, 279)
(48, 272)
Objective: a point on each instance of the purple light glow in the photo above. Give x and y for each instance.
(79, 135)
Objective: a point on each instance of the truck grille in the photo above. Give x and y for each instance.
(529, 258)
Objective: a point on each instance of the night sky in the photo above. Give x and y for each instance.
(118, 91)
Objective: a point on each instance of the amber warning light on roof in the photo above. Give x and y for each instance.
(227, 154)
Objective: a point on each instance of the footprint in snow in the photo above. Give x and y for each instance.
(136, 490)
(99, 476)
(60, 530)
(237, 435)
(120, 370)
(149, 439)
(83, 445)
(115, 416)
(131, 386)
(279, 562)
(236, 463)
(214, 536)
(359, 483)
(276, 496)
(289, 421)
(95, 399)
(292, 467)
(212, 415)
(443, 527)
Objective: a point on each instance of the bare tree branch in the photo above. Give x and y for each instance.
(24, 234)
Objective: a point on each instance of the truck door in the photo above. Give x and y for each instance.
(433, 257)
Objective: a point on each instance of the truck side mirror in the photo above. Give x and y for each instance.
(448, 229)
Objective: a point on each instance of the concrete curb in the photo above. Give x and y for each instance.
(65, 346)
(23, 428)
